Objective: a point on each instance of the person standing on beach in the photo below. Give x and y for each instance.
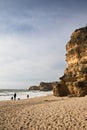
(27, 96)
(14, 96)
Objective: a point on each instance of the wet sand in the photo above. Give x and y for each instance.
(44, 113)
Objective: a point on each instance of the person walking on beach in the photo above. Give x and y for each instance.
(14, 96)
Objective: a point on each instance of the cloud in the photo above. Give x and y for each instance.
(33, 36)
(25, 60)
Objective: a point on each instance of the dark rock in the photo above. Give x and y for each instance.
(44, 86)
(34, 88)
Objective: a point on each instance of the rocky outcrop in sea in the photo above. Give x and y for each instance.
(33, 88)
(44, 86)
(74, 80)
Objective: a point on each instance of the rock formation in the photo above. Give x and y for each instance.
(33, 88)
(44, 86)
(74, 80)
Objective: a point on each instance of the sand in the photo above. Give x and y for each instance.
(44, 113)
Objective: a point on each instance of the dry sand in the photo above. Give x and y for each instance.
(44, 113)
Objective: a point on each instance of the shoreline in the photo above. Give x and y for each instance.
(8, 95)
(44, 113)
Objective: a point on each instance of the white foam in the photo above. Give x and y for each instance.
(23, 94)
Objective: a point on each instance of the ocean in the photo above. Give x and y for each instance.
(6, 94)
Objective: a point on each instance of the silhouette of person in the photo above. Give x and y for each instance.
(14, 96)
(27, 96)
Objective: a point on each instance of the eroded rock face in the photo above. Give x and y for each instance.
(44, 86)
(74, 80)
(60, 89)
(33, 88)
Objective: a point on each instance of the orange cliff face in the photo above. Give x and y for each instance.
(77, 47)
(74, 80)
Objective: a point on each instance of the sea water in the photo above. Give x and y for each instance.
(6, 94)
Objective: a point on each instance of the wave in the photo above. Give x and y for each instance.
(22, 94)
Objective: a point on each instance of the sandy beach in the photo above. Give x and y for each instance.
(44, 113)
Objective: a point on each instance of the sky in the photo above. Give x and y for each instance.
(33, 36)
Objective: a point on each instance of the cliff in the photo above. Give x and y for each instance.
(44, 86)
(33, 88)
(74, 80)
